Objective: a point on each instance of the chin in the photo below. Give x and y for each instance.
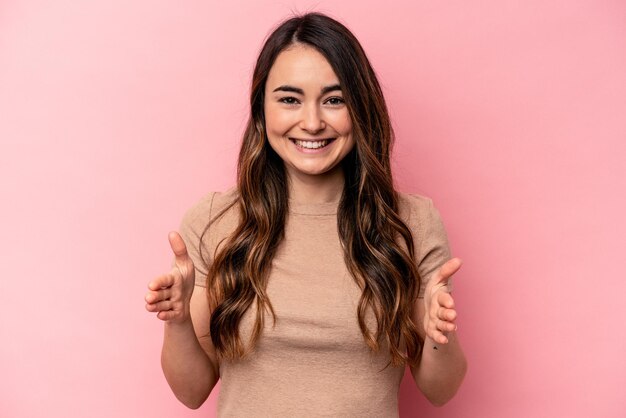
(311, 171)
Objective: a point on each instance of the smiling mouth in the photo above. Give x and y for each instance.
(309, 144)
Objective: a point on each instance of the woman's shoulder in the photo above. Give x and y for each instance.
(414, 206)
(210, 205)
(420, 214)
(429, 234)
(416, 199)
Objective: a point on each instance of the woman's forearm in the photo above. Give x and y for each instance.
(186, 366)
(441, 370)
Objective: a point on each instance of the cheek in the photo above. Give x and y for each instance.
(343, 123)
(274, 128)
(348, 127)
(276, 122)
(269, 118)
(346, 130)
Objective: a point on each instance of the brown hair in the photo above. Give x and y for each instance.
(368, 221)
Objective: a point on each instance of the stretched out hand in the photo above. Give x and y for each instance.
(169, 295)
(440, 315)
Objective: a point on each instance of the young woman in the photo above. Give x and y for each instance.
(309, 286)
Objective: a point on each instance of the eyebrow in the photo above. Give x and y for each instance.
(327, 89)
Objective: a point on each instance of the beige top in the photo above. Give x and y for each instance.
(314, 362)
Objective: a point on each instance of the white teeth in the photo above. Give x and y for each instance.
(311, 144)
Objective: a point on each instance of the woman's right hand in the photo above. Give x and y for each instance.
(169, 295)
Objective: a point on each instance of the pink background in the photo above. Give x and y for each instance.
(116, 116)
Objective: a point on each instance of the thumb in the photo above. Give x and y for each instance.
(448, 269)
(178, 247)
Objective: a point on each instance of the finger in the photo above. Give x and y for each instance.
(446, 314)
(178, 247)
(161, 282)
(437, 328)
(442, 339)
(438, 337)
(164, 305)
(167, 315)
(447, 270)
(440, 302)
(159, 295)
(445, 326)
(445, 299)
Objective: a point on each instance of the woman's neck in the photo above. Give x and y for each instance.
(322, 188)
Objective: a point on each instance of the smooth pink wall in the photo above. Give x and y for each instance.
(116, 116)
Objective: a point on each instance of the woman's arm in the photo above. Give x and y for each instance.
(188, 357)
(442, 364)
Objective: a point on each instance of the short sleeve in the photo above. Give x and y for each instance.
(192, 226)
(432, 249)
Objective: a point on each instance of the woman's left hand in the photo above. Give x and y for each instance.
(440, 315)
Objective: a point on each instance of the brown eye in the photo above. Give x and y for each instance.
(288, 100)
(335, 101)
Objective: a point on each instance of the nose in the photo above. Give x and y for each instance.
(312, 120)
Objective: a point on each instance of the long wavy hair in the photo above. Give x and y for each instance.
(378, 246)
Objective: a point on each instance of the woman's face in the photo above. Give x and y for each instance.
(306, 119)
